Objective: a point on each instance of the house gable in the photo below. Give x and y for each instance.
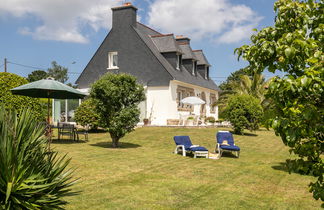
(141, 54)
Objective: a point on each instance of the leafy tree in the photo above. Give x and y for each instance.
(58, 72)
(243, 111)
(227, 90)
(242, 82)
(295, 45)
(37, 75)
(254, 86)
(30, 178)
(117, 97)
(86, 114)
(10, 101)
(232, 78)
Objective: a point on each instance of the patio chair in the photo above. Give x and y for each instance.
(184, 145)
(84, 132)
(65, 129)
(225, 142)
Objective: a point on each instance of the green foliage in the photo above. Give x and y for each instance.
(31, 177)
(241, 82)
(10, 101)
(86, 114)
(210, 119)
(117, 97)
(58, 72)
(295, 45)
(243, 111)
(37, 75)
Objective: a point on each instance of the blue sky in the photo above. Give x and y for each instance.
(37, 32)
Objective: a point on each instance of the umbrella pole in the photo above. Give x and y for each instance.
(49, 128)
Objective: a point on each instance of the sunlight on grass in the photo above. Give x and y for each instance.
(145, 174)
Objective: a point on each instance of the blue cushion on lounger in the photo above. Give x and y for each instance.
(197, 149)
(230, 147)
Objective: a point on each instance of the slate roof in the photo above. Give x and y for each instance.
(202, 60)
(183, 75)
(187, 51)
(166, 43)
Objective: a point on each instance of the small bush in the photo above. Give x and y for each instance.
(210, 119)
(17, 102)
(86, 114)
(244, 111)
(30, 176)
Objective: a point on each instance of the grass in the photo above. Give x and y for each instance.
(144, 174)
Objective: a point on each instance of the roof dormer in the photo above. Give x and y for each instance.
(202, 64)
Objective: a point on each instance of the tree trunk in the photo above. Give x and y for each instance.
(115, 141)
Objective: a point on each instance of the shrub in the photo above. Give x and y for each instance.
(190, 118)
(117, 97)
(31, 177)
(210, 119)
(86, 114)
(243, 111)
(10, 101)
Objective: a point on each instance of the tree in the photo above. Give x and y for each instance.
(243, 111)
(295, 45)
(117, 97)
(242, 82)
(58, 72)
(37, 75)
(254, 85)
(86, 114)
(17, 102)
(31, 177)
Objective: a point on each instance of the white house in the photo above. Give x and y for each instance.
(165, 64)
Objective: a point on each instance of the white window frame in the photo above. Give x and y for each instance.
(206, 72)
(194, 66)
(110, 60)
(178, 62)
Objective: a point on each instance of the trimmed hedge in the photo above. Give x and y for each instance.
(17, 102)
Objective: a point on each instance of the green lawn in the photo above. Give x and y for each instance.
(145, 174)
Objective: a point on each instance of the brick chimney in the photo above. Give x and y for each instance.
(182, 39)
(124, 15)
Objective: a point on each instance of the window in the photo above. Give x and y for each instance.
(112, 60)
(194, 67)
(206, 72)
(183, 92)
(178, 62)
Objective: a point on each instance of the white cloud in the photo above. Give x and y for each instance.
(218, 20)
(61, 20)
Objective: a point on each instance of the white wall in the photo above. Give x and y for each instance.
(161, 103)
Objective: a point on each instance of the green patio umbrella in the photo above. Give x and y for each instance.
(48, 88)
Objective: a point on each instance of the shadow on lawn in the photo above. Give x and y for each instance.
(122, 145)
(67, 141)
(282, 166)
(228, 154)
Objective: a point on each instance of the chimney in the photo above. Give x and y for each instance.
(124, 15)
(182, 39)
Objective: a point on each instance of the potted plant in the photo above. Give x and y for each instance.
(146, 121)
(190, 121)
(210, 120)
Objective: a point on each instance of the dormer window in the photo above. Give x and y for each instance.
(194, 67)
(178, 62)
(113, 60)
(206, 72)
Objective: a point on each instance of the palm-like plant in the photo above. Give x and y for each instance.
(254, 86)
(30, 176)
